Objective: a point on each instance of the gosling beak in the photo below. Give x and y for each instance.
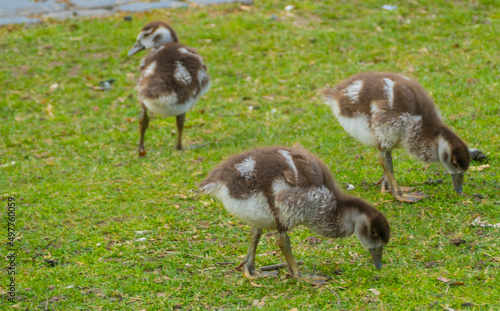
(136, 48)
(377, 256)
(458, 181)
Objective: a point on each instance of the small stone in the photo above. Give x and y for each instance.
(350, 187)
(478, 196)
(273, 17)
(289, 7)
(52, 262)
(434, 181)
(106, 83)
(477, 155)
(140, 240)
(389, 7)
(127, 18)
(457, 241)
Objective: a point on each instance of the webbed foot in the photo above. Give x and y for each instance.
(252, 273)
(386, 187)
(315, 279)
(411, 197)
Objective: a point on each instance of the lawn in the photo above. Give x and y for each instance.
(97, 228)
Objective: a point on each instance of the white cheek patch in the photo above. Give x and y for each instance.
(143, 33)
(289, 161)
(389, 90)
(361, 220)
(147, 38)
(150, 69)
(352, 91)
(444, 147)
(246, 168)
(147, 42)
(166, 35)
(181, 73)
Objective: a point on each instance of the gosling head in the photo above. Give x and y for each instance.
(455, 157)
(153, 35)
(373, 231)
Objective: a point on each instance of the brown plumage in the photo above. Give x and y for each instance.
(173, 77)
(280, 188)
(386, 111)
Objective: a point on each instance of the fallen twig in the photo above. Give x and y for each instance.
(334, 292)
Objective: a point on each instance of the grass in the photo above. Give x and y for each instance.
(82, 193)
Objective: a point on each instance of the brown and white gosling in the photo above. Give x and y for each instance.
(173, 77)
(278, 188)
(386, 111)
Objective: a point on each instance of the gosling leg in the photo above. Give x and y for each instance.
(143, 126)
(248, 264)
(180, 127)
(385, 160)
(286, 249)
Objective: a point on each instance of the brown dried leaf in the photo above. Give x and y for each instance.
(131, 76)
(479, 168)
(443, 279)
(255, 284)
(54, 87)
(50, 110)
(374, 291)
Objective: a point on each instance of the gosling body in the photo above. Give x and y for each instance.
(387, 111)
(173, 77)
(279, 188)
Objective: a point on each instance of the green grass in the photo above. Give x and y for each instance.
(81, 191)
